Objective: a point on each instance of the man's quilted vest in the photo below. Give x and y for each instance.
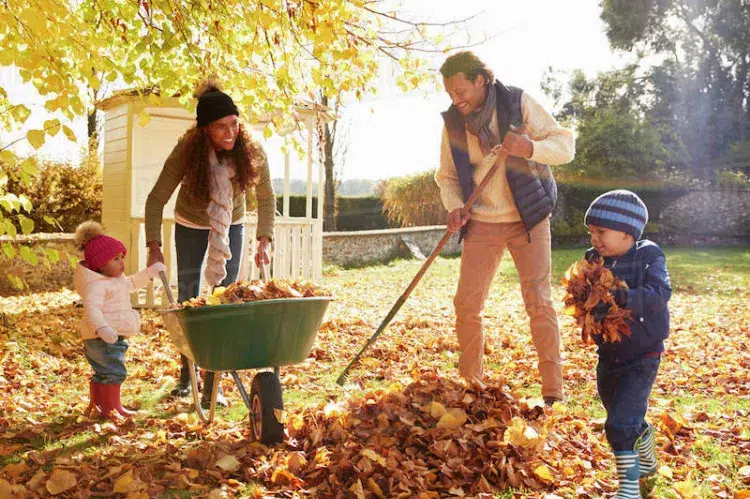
(532, 184)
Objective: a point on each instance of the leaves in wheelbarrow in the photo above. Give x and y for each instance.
(587, 284)
(246, 291)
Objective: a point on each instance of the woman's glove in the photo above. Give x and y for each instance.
(107, 334)
(154, 269)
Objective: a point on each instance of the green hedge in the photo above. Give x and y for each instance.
(353, 213)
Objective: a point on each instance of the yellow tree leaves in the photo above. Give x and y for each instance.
(587, 284)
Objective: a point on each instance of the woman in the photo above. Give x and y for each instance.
(216, 162)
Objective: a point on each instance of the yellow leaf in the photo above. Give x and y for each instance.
(519, 434)
(375, 489)
(332, 409)
(228, 463)
(685, 490)
(144, 118)
(436, 409)
(69, 134)
(60, 481)
(357, 489)
(35, 138)
(213, 300)
(122, 484)
(219, 291)
(373, 456)
(665, 471)
(452, 419)
(543, 473)
(52, 127)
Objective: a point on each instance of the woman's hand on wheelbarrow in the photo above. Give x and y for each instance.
(261, 255)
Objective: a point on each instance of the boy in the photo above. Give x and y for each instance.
(627, 369)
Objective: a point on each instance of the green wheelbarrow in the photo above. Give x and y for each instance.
(252, 335)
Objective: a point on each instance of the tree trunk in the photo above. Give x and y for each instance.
(329, 211)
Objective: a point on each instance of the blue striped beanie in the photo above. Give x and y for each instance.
(618, 210)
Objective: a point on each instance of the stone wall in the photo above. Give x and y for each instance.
(359, 247)
(724, 213)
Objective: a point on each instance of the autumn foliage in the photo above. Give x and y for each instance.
(587, 284)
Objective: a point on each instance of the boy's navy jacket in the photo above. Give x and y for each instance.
(644, 269)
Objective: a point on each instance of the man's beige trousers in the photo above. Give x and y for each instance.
(483, 250)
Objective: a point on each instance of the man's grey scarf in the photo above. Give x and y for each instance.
(478, 121)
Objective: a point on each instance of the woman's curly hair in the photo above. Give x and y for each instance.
(247, 155)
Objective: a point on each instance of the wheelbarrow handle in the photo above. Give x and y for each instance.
(167, 289)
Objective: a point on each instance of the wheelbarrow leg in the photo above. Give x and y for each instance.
(214, 394)
(196, 395)
(241, 388)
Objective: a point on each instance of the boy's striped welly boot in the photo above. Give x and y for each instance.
(627, 474)
(647, 452)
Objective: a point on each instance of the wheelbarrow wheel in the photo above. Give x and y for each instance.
(266, 408)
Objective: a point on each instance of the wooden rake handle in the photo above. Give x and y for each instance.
(502, 155)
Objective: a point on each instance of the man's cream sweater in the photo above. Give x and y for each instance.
(553, 145)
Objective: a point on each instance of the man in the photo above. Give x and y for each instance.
(512, 212)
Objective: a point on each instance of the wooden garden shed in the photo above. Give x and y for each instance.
(133, 157)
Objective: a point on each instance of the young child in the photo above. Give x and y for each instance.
(109, 317)
(627, 369)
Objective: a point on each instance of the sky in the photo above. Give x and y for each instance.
(397, 134)
(393, 133)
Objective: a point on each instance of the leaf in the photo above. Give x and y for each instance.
(124, 483)
(60, 481)
(7, 157)
(357, 489)
(70, 134)
(28, 255)
(436, 409)
(27, 224)
(665, 471)
(52, 255)
(452, 419)
(373, 456)
(228, 463)
(375, 488)
(52, 127)
(543, 473)
(144, 118)
(25, 203)
(685, 489)
(35, 138)
(9, 250)
(519, 434)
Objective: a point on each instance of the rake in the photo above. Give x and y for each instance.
(502, 154)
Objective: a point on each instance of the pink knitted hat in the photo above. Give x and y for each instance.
(98, 248)
(101, 249)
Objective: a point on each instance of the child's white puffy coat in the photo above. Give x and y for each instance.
(106, 301)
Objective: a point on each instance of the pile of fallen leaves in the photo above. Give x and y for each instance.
(245, 291)
(430, 438)
(586, 285)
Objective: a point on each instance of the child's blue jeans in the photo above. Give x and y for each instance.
(624, 390)
(191, 246)
(107, 360)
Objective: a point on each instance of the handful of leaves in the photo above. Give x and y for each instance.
(587, 284)
(244, 291)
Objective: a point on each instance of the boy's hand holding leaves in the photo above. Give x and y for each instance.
(594, 296)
